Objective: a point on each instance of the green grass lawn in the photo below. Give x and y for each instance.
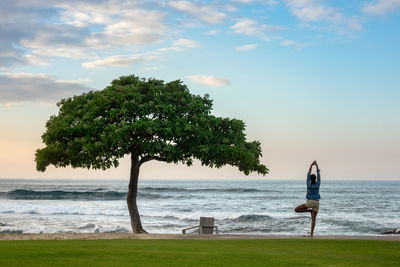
(282, 252)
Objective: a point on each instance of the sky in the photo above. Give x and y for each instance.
(311, 79)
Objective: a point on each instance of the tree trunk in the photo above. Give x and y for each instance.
(132, 193)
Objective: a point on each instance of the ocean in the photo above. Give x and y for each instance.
(168, 206)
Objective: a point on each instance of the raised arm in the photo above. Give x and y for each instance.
(318, 174)
(309, 172)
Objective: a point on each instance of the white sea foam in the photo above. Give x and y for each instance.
(46, 207)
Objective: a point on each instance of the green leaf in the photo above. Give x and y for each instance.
(145, 117)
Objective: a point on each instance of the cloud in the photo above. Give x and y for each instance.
(36, 31)
(36, 60)
(212, 32)
(57, 41)
(16, 21)
(251, 27)
(136, 26)
(118, 60)
(312, 10)
(186, 43)
(82, 14)
(287, 42)
(243, 1)
(180, 45)
(266, 2)
(126, 26)
(317, 11)
(10, 55)
(246, 47)
(203, 12)
(381, 7)
(28, 87)
(209, 80)
(247, 27)
(296, 44)
(19, 23)
(122, 20)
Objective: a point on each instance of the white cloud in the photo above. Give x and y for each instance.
(247, 27)
(81, 14)
(36, 60)
(84, 30)
(59, 40)
(212, 32)
(16, 21)
(46, 50)
(186, 43)
(296, 44)
(311, 10)
(180, 45)
(244, 1)
(79, 81)
(381, 7)
(30, 87)
(246, 47)
(209, 80)
(287, 42)
(136, 27)
(251, 27)
(266, 2)
(317, 10)
(203, 12)
(118, 60)
(170, 49)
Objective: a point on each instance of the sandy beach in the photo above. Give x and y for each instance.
(92, 236)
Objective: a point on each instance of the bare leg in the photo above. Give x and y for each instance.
(313, 219)
(301, 208)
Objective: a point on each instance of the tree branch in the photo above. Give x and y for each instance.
(148, 158)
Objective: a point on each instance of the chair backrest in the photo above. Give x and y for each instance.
(206, 221)
(206, 225)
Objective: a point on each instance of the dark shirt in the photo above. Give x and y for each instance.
(313, 189)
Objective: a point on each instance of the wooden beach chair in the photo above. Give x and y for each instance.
(206, 226)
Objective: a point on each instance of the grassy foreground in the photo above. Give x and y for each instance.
(199, 253)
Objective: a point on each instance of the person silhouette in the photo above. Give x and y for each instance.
(313, 197)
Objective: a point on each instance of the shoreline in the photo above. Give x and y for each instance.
(105, 236)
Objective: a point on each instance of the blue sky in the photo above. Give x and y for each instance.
(311, 79)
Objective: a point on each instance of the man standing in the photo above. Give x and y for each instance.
(313, 197)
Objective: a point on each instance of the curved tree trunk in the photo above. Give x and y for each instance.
(132, 193)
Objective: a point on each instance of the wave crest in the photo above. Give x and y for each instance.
(252, 218)
(20, 194)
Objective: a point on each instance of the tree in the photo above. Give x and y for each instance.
(150, 120)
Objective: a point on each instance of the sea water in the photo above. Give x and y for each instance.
(166, 206)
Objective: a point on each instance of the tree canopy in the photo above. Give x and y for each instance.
(149, 118)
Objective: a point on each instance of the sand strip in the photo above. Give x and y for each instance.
(91, 236)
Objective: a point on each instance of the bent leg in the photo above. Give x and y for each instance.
(301, 208)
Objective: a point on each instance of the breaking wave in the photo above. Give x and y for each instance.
(252, 218)
(205, 190)
(75, 195)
